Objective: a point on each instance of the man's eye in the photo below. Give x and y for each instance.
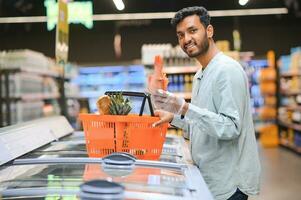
(193, 30)
(180, 36)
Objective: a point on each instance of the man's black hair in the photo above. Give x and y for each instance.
(195, 10)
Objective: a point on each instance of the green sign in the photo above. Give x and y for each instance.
(78, 13)
(62, 33)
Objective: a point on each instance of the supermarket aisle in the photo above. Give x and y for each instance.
(281, 174)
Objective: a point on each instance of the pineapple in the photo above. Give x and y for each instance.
(119, 105)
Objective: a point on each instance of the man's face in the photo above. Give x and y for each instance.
(192, 36)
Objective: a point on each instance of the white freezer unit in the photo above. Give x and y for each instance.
(58, 169)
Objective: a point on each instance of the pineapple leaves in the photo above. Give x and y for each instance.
(119, 105)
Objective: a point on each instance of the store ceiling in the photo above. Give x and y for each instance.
(11, 8)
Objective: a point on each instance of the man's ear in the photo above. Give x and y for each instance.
(210, 31)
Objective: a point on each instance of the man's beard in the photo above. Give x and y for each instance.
(202, 48)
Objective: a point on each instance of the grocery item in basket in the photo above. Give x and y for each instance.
(103, 105)
(114, 104)
(158, 79)
(119, 105)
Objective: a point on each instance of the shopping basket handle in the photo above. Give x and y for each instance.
(146, 96)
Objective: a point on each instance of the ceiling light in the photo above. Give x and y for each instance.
(119, 4)
(243, 2)
(157, 15)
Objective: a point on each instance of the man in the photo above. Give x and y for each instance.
(218, 119)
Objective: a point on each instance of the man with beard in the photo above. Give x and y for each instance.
(218, 119)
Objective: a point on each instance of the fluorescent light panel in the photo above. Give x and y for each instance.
(156, 15)
(119, 4)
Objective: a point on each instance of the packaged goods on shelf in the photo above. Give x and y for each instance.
(233, 54)
(50, 87)
(172, 56)
(297, 140)
(30, 86)
(270, 101)
(175, 131)
(267, 74)
(70, 71)
(290, 63)
(31, 78)
(269, 135)
(268, 88)
(223, 45)
(267, 113)
(26, 58)
(289, 112)
(24, 111)
(284, 64)
(51, 108)
(180, 82)
(149, 51)
(71, 89)
(262, 77)
(285, 114)
(291, 139)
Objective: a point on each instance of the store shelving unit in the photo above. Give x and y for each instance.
(20, 104)
(289, 111)
(30, 87)
(263, 86)
(180, 80)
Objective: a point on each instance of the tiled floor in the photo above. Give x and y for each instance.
(281, 175)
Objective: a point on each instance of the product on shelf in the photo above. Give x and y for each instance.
(172, 56)
(149, 51)
(262, 83)
(33, 82)
(289, 112)
(269, 135)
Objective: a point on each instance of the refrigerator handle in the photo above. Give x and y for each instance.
(119, 159)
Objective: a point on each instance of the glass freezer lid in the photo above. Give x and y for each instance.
(68, 154)
(66, 176)
(77, 148)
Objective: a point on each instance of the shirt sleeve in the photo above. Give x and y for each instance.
(228, 97)
(180, 123)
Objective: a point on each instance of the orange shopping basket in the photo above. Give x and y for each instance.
(132, 134)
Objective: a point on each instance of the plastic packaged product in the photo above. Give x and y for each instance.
(158, 79)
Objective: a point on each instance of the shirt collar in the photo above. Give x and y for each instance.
(209, 67)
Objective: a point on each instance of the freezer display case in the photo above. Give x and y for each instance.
(54, 165)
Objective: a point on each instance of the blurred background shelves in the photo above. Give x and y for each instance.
(289, 110)
(31, 86)
(94, 81)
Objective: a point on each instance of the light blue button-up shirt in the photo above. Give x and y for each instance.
(220, 126)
